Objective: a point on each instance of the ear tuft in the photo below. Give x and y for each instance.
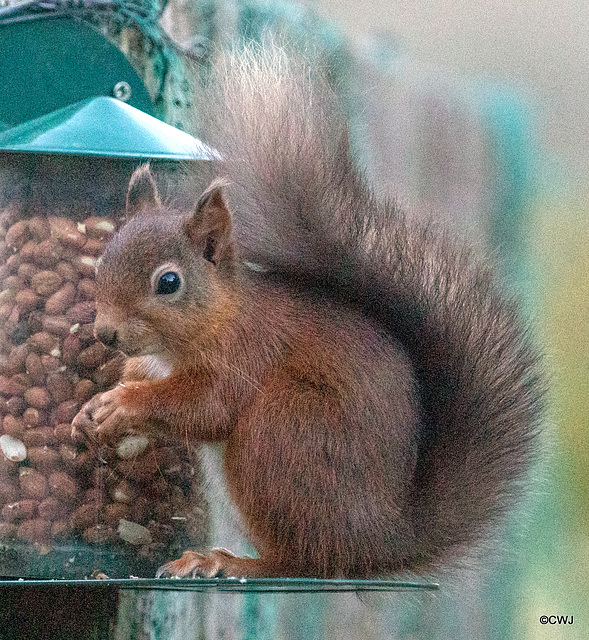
(142, 193)
(209, 229)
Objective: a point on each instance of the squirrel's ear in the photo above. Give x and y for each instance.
(142, 193)
(209, 229)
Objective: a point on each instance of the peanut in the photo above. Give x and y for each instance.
(39, 228)
(37, 530)
(83, 312)
(17, 235)
(60, 386)
(33, 484)
(61, 300)
(45, 283)
(38, 397)
(44, 458)
(34, 368)
(21, 510)
(63, 485)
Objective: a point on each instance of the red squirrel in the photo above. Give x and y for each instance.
(378, 395)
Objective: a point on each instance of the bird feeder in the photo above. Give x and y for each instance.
(67, 510)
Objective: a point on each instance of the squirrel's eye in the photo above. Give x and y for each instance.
(169, 282)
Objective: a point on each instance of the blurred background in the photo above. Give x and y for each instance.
(475, 112)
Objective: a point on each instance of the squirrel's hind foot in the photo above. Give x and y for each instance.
(218, 563)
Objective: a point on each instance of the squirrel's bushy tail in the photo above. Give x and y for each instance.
(304, 211)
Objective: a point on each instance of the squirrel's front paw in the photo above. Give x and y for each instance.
(105, 417)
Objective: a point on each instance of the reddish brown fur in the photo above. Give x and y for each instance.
(289, 388)
(376, 393)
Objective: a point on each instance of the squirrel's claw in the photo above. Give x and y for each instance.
(83, 425)
(106, 406)
(103, 418)
(115, 424)
(112, 418)
(192, 564)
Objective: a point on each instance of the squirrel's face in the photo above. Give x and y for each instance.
(162, 281)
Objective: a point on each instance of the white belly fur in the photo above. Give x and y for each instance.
(156, 367)
(225, 519)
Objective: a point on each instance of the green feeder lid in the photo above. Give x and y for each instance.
(104, 127)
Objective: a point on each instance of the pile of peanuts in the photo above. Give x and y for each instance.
(138, 495)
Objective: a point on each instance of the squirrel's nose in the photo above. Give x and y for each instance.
(107, 335)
